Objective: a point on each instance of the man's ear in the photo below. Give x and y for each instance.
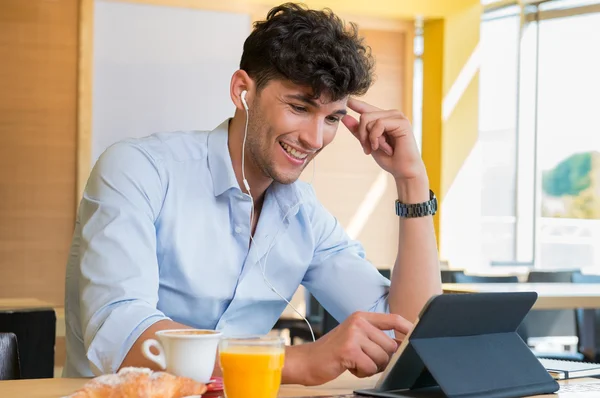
(240, 82)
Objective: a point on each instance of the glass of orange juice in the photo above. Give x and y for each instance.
(251, 366)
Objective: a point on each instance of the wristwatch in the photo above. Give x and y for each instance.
(428, 208)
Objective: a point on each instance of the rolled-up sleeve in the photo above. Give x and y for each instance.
(118, 283)
(339, 276)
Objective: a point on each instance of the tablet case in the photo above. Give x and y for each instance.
(466, 346)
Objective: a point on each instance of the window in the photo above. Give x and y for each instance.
(539, 134)
(568, 143)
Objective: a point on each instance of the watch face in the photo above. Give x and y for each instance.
(433, 201)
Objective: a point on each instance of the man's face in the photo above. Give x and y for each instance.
(287, 128)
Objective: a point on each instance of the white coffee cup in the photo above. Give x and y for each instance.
(185, 352)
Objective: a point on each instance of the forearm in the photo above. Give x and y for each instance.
(296, 367)
(416, 275)
(135, 357)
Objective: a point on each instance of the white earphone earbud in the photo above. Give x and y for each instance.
(244, 100)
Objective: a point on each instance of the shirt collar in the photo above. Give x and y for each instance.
(219, 160)
(288, 196)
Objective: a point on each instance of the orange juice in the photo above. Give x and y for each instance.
(252, 371)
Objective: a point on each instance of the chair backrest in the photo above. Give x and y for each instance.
(463, 278)
(448, 275)
(9, 357)
(36, 333)
(551, 276)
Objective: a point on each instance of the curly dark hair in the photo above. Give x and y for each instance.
(310, 48)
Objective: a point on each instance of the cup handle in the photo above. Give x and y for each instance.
(157, 359)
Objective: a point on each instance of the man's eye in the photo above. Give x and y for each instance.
(298, 109)
(333, 119)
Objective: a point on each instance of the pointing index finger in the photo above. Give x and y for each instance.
(389, 322)
(361, 107)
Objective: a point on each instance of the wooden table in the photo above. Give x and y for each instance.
(55, 388)
(555, 296)
(7, 304)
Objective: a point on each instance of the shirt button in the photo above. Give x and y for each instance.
(238, 230)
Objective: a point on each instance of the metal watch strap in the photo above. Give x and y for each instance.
(428, 208)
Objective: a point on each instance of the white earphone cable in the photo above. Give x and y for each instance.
(264, 264)
(263, 272)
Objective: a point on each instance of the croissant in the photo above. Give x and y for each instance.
(139, 382)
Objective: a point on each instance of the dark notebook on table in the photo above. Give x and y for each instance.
(561, 369)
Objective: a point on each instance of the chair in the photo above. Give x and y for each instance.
(550, 324)
(9, 357)
(595, 357)
(448, 275)
(552, 276)
(464, 278)
(36, 333)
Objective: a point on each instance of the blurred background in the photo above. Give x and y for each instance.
(503, 97)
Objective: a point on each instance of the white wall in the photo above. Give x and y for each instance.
(161, 68)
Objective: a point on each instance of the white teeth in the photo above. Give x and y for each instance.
(293, 152)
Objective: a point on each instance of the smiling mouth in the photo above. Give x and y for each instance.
(292, 152)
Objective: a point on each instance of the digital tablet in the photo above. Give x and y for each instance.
(463, 345)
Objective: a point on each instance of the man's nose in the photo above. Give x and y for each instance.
(313, 138)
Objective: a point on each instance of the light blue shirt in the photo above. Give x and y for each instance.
(162, 232)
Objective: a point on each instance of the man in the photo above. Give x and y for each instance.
(168, 234)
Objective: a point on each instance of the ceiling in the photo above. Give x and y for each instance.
(386, 8)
